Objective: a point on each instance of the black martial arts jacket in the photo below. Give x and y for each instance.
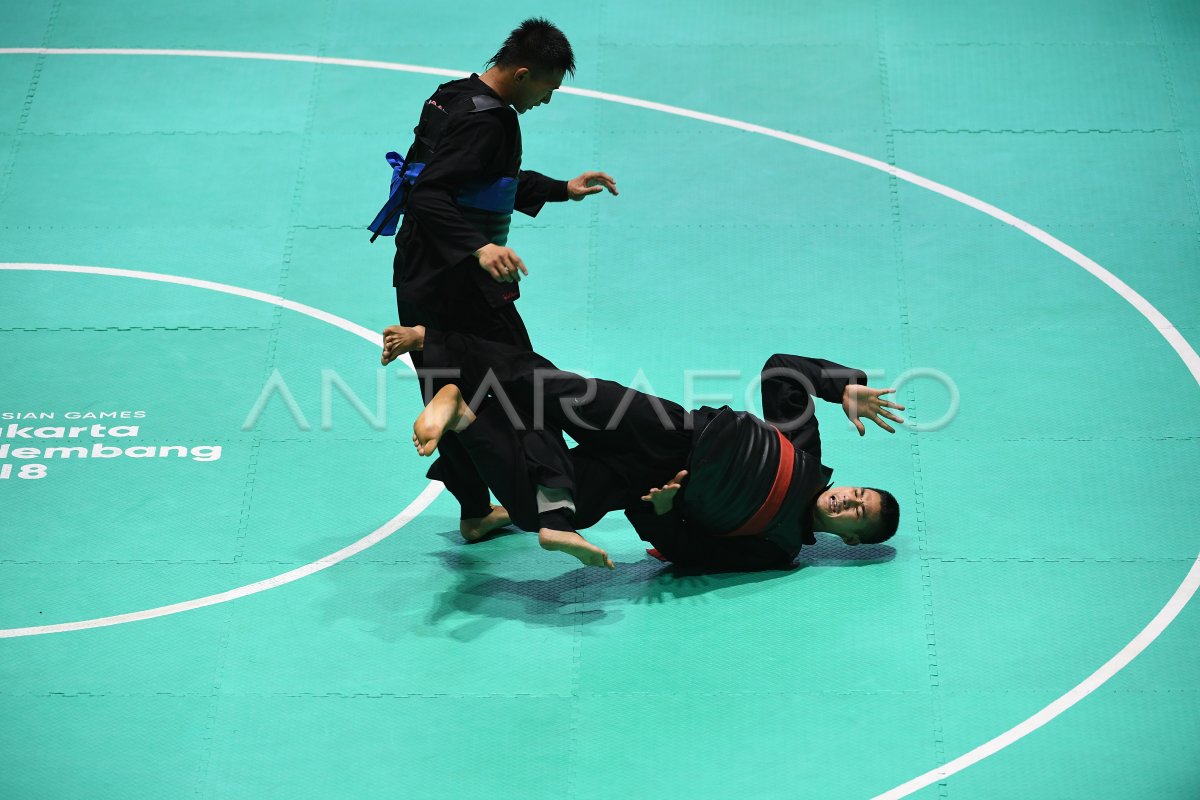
(748, 499)
(473, 148)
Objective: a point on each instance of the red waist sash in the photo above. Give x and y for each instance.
(770, 507)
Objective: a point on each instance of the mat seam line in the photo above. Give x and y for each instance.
(1041, 131)
(936, 711)
(150, 226)
(592, 267)
(23, 121)
(201, 788)
(1145, 44)
(909, 44)
(551, 696)
(432, 558)
(127, 328)
(72, 133)
(624, 225)
(1164, 62)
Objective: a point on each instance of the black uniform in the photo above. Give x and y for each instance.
(747, 502)
(469, 141)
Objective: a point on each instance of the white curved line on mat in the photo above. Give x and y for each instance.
(1089, 685)
(397, 522)
(1168, 331)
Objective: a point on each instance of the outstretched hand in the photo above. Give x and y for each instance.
(863, 401)
(663, 499)
(590, 183)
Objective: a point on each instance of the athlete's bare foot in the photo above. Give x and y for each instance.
(398, 340)
(476, 529)
(447, 411)
(576, 545)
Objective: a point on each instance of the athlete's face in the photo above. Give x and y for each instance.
(535, 88)
(847, 511)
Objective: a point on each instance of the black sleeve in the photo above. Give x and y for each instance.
(534, 190)
(670, 536)
(787, 382)
(465, 153)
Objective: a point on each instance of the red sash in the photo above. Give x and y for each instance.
(770, 507)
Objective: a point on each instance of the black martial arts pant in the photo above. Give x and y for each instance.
(470, 314)
(628, 441)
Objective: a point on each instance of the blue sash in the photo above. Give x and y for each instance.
(499, 197)
(388, 218)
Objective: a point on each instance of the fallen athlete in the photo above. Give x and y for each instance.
(729, 491)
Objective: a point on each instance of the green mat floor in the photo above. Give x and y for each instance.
(250, 602)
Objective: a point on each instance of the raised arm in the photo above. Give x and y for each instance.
(789, 382)
(534, 190)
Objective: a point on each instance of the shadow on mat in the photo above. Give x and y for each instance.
(590, 596)
(829, 551)
(481, 587)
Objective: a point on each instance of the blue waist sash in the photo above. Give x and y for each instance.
(498, 197)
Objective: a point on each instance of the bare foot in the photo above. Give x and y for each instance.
(576, 545)
(447, 411)
(398, 340)
(477, 528)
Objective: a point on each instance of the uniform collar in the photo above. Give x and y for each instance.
(481, 85)
(806, 522)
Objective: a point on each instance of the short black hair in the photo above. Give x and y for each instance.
(537, 44)
(889, 518)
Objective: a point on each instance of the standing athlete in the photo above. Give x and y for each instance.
(453, 268)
